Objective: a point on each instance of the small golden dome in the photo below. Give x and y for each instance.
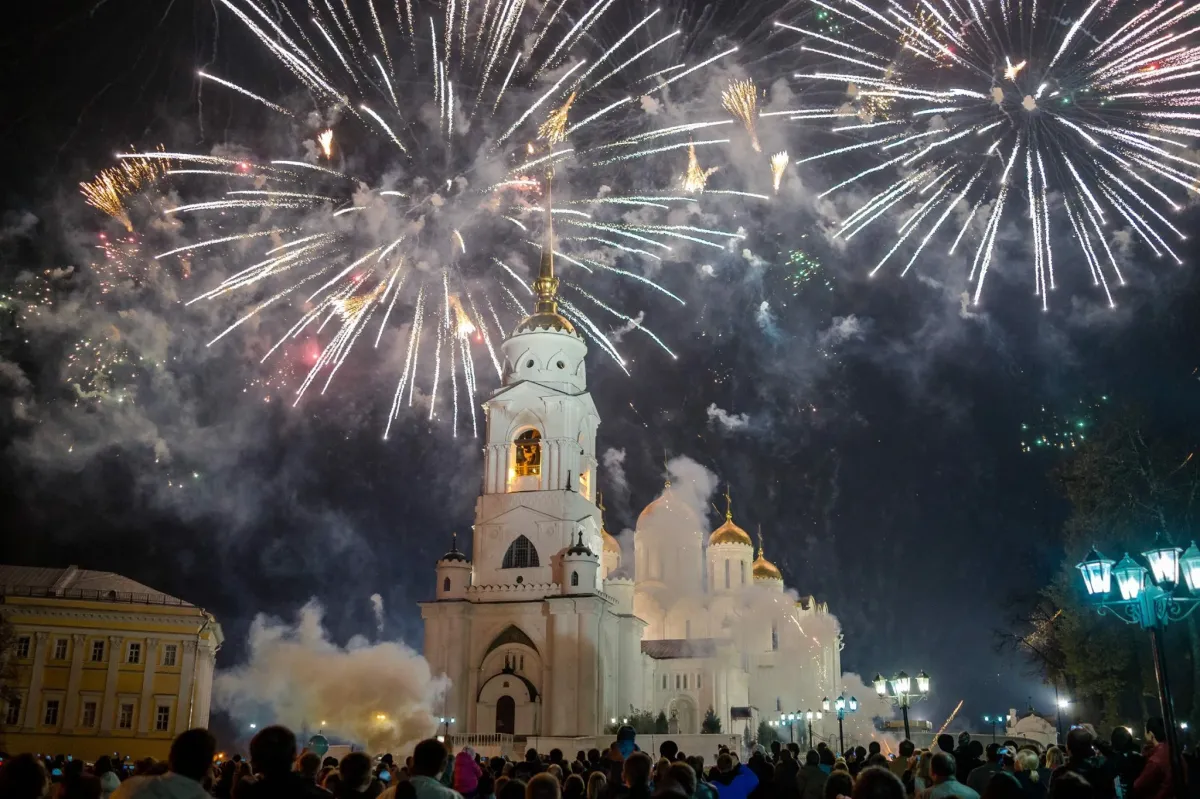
(661, 503)
(610, 543)
(729, 533)
(763, 568)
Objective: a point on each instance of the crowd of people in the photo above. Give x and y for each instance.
(950, 769)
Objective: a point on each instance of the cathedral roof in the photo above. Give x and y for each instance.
(729, 533)
(580, 548)
(763, 568)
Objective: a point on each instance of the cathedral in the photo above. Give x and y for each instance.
(542, 630)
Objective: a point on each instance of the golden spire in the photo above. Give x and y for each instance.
(760, 546)
(728, 505)
(546, 285)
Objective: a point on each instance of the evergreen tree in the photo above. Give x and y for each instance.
(766, 733)
(660, 723)
(711, 724)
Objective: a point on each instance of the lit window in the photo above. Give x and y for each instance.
(528, 457)
(162, 719)
(60, 649)
(169, 652)
(97, 651)
(134, 654)
(585, 483)
(88, 717)
(23, 647)
(125, 717)
(12, 714)
(521, 554)
(50, 719)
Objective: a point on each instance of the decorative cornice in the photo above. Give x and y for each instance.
(14, 611)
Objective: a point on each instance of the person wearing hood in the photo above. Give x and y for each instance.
(810, 781)
(466, 772)
(627, 741)
(190, 758)
(786, 772)
(733, 781)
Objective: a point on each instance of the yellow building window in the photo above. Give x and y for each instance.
(169, 652)
(88, 719)
(12, 716)
(60, 649)
(50, 718)
(528, 460)
(134, 654)
(125, 717)
(23, 644)
(162, 719)
(97, 651)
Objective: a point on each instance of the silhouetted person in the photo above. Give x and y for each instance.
(189, 760)
(1084, 760)
(810, 781)
(1155, 780)
(272, 753)
(878, 783)
(945, 782)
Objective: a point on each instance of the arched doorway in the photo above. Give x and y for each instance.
(506, 715)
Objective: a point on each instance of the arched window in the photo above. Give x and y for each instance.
(742, 564)
(574, 578)
(446, 584)
(528, 460)
(520, 555)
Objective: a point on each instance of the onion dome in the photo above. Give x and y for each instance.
(729, 533)
(763, 568)
(454, 554)
(580, 548)
(660, 504)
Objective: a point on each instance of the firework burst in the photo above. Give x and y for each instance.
(741, 100)
(1018, 108)
(779, 163)
(416, 233)
(109, 190)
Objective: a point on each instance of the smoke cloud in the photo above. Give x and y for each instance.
(729, 421)
(378, 695)
(377, 609)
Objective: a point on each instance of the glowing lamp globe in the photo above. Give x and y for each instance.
(1131, 578)
(853, 704)
(922, 682)
(1164, 561)
(818, 715)
(809, 715)
(880, 685)
(840, 703)
(1190, 564)
(902, 683)
(825, 704)
(1097, 573)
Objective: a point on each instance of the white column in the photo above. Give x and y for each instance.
(71, 709)
(588, 657)
(145, 712)
(204, 678)
(109, 715)
(187, 678)
(33, 709)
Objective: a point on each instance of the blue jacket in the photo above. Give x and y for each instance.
(736, 784)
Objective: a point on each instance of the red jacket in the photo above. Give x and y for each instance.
(1155, 780)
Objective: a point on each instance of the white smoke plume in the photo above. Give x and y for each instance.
(378, 695)
(843, 329)
(727, 420)
(377, 608)
(614, 470)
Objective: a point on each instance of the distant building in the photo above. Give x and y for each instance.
(104, 664)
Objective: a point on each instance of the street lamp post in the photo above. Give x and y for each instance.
(994, 720)
(1153, 607)
(1061, 703)
(809, 715)
(843, 706)
(899, 690)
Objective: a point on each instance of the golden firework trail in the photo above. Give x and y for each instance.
(695, 178)
(108, 190)
(779, 163)
(954, 713)
(325, 140)
(554, 129)
(741, 100)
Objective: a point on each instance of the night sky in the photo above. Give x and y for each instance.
(873, 430)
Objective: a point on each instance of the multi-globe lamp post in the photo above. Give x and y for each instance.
(1153, 606)
(843, 706)
(999, 718)
(899, 689)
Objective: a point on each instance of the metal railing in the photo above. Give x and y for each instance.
(90, 595)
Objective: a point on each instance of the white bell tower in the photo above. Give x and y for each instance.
(539, 488)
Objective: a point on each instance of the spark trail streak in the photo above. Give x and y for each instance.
(1069, 102)
(447, 149)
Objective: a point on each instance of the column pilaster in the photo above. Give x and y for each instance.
(33, 709)
(71, 711)
(108, 715)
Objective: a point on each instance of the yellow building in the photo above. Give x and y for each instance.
(104, 664)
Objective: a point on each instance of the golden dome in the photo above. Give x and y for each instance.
(729, 533)
(610, 542)
(660, 503)
(763, 568)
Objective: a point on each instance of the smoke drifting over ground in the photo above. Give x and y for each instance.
(379, 695)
